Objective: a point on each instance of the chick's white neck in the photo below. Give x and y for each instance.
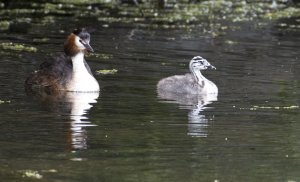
(82, 80)
(198, 76)
(207, 85)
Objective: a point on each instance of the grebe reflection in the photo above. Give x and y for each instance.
(81, 103)
(72, 108)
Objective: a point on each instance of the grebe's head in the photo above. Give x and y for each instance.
(198, 63)
(78, 41)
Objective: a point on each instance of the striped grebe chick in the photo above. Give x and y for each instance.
(193, 83)
(69, 71)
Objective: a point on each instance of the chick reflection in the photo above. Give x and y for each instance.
(74, 105)
(197, 122)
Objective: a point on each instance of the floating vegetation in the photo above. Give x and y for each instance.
(3, 101)
(4, 25)
(284, 13)
(31, 174)
(17, 47)
(211, 15)
(230, 42)
(49, 171)
(254, 108)
(107, 72)
(276, 107)
(100, 55)
(40, 40)
(48, 20)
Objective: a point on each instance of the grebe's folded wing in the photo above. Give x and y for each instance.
(56, 63)
(52, 73)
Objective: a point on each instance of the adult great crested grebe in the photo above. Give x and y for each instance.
(67, 72)
(193, 83)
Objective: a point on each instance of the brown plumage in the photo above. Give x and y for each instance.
(51, 76)
(70, 47)
(54, 74)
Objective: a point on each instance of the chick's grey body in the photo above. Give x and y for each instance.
(193, 83)
(182, 84)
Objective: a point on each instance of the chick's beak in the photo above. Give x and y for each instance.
(212, 67)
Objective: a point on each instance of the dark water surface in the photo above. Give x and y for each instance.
(251, 133)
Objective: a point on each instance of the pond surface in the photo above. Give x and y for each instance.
(127, 133)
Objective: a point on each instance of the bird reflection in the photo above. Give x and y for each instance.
(74, 105)
(197, 122)
(81, 103)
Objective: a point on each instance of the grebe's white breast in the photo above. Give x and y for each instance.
(82, 80)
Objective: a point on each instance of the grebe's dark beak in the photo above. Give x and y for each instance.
(88, 47)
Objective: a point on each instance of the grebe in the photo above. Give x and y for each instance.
(193, 83)
(68, 72)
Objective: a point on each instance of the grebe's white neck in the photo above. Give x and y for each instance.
(82, 80)
(78, 63)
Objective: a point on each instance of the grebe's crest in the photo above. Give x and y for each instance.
(199, 63)
(78, 41)
(82, 33)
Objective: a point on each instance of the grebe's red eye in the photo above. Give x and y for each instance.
(81, 41)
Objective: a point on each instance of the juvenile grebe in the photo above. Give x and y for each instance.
(68, 72)
(193, 83)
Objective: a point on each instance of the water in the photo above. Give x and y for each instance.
(127, 133)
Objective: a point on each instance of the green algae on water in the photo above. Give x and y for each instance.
(254, 108)
(41, 40)
(284, 13)
(3, 101)
(31, 174)
(178, 15)
(107, 72)
(230, 42)
(4, 25)
(17, 47)
(100, 55)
